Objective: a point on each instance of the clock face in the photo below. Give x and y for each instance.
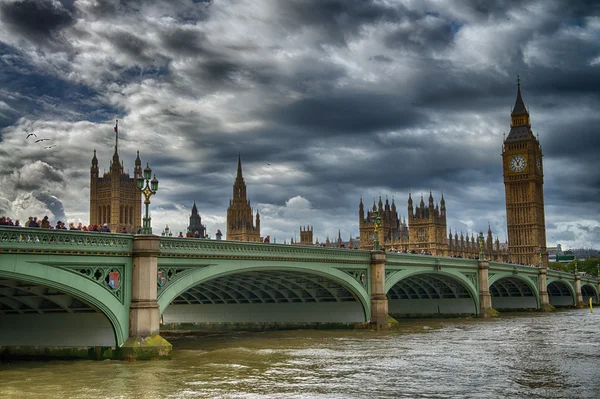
(518, 163)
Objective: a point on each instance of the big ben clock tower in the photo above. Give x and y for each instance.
(524, 187)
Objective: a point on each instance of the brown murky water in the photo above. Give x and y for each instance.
(534, 355)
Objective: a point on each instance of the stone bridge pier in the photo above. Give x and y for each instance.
(379, 300)
(485, 298)
(144, 342)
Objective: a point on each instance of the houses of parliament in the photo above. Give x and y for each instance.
(425, 231)
(115, 200)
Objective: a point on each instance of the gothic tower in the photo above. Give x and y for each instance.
(115, 198)
(306, 235)
(196, 223)
(240, 224)
(524, 188)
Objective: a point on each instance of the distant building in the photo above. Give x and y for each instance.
(115, 198)
(196, 222)
(425, 232)
(240, 223)
(306, 235)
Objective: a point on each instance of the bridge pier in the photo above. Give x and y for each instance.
(379, 300)
(144, 342)
(543, 290)
(578, 294)
(485, 298)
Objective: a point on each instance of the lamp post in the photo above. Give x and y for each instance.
(481, 252)
(167, 232)
(376, 224)
(575, 272)
(148, 188)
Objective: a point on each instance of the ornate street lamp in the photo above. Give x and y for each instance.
(376, 224)
(166, 232)
(148, 188)
(481, 252)
(575, 272)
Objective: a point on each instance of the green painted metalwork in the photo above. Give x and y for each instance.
(359, 275)
(168, 275)
(36, 269)
(213, 249)
(78, 264)
(434, 282)
(62, 242)
(100, 275)
(223, 268)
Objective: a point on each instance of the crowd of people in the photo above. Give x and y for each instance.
(44, 223)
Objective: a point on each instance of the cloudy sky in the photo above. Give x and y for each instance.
(328, 101)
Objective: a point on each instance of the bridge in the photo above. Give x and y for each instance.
(105, 295)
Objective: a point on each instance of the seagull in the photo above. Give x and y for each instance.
(38, 140)
(268, 164)
(31, 134)
(50, 146)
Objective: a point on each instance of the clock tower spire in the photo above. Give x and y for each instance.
(524, 188)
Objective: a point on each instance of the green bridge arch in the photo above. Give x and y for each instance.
(206, 272)
(452, 274)
(519, 277)
(70, 283)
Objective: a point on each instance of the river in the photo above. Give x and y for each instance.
(534, 355)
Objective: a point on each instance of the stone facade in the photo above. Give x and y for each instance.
(240, 224)
(115, 198)
(306, 235)
(425, 232)
(524, 188)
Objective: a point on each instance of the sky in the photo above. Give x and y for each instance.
(327, 101)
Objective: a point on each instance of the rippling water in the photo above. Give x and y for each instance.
(536, 355)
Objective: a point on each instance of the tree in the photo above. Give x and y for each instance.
(589, 266)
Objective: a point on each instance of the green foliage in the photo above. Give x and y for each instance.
(558, 266)
(589, 266)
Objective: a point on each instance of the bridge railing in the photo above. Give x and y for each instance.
(201, 248)
(36, 240)
(409, 259)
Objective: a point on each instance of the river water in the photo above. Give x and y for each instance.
(534, 355)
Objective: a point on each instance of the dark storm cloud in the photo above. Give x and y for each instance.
(425, 34)
(35, 19)
(185, 41)
(53, 204)
(137, 48)
(337, 20)
(348, 113)
(327, 101)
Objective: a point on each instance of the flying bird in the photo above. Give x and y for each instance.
(38, 140)
(31, 134)
(50, 146)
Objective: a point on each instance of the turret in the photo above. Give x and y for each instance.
(257, 221)
(443, 207)
(137, 170)
(361, 212)
(94, 168)
(410, 207)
